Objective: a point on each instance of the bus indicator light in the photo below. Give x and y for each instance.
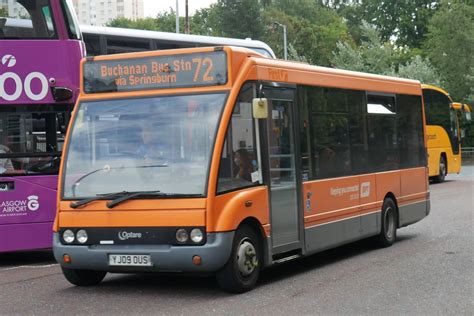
(197, 260)
(67, 259)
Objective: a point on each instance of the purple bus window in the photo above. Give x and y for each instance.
(27, 19)
(31, 139)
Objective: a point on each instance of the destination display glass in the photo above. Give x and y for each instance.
(155, 72)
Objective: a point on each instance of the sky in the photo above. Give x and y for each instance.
(153, 7)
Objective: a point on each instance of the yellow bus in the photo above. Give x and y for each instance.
(222, 160)
(443, 132)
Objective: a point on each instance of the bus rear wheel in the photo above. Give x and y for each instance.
(83, 277)
(241, 272)
(388, 233)
(443, 170)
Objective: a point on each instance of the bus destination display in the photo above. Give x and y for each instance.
(155, 72)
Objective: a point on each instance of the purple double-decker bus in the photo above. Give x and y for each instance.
(40, 51)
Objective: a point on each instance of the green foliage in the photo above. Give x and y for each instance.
(404, 21)
(239, 19)
(205, 22)
(375, 56)
(372, 55)
(418, 68)
(450, 45)
(313, 30)
(3, 12)
(141, 24)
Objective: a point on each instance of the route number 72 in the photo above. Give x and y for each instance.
(206, 65)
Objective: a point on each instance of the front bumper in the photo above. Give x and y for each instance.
(166, 258)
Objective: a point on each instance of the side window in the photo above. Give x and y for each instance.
(238, 165)
(48, 19)
(117, 45)
(92, 44)
(410, 129)
(71, 20)
(384, 152)
(333, 132)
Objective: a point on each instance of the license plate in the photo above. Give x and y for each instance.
(130, 260)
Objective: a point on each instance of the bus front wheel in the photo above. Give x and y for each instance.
(241, 272)
(443, 170)
(83, 277)
(388, 233)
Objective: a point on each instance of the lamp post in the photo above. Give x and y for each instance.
(285, 48)
(177, 17)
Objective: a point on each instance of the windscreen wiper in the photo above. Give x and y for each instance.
(132, 195)
(95, 198)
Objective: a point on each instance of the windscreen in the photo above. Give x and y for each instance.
(31, 138)
(26, 19)
(148, 144)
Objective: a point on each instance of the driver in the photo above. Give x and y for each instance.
(155, 144)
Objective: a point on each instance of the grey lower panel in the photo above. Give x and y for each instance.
(214, 254)
(325, 236)
(412, 213)
(285, 229)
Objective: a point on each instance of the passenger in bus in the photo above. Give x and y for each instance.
(244, 165)
(6, 165)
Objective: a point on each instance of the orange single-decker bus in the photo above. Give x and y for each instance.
(222, 160)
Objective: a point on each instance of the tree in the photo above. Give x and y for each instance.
(239, 19)
(141, 24)
(404, 21)
(312, 30)
(205, 22)
(372, 55)
(450, 45)
(3, 12)
(375, 56)
(417, 68)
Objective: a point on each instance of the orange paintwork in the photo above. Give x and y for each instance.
(340, 198)
(225, 212)
(231, 210)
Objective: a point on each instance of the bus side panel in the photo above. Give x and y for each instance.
(413, 204)
(434, 155)
(438, 143)
(369, 207)
(331, 212)
(230, 209)
(387, 182)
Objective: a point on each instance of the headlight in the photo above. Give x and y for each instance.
(68, 236)
(81, 236)
(196, 235)
(182, 235)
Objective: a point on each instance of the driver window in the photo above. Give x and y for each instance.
(238, 165)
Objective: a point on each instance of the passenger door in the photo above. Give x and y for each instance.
(281, 169)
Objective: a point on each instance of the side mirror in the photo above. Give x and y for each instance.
(260, 108)
(467, 112)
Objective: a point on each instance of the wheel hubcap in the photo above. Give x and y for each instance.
(389, 223)
(247, 260)
(442, 168)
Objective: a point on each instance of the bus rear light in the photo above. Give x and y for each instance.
(182, 235)
(67, 258)
(68, 236)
